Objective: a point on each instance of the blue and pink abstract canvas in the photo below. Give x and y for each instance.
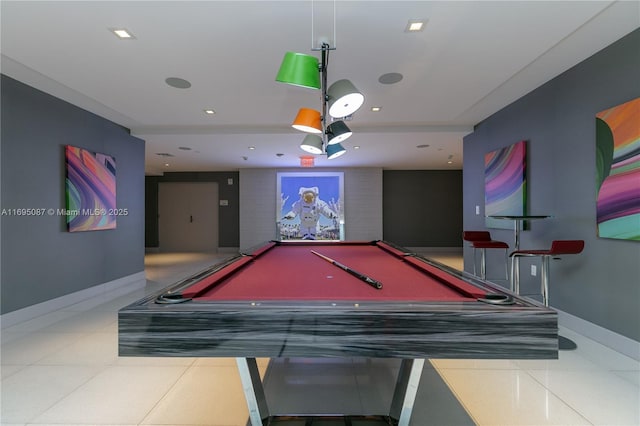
(505, 184)
(90, 190)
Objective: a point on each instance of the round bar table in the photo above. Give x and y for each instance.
(517, 220)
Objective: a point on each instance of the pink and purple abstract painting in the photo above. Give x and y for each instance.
(90, 190)
(505, 184)
(618, 171)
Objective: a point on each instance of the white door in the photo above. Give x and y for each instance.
(188, 216)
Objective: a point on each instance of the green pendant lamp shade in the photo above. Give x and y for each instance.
(335, 151)
(299, 69)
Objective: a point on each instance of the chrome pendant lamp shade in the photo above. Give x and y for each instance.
(344, 99)
(308, 120)
(299, 69)
(337, 132)
(335, 151)
(312, 144)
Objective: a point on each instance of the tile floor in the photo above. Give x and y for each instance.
(63, 369)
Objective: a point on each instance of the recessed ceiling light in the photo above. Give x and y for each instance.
(166, 164)
(252, 148)
(209, 111)
(415, 25)
(376, 109)
(122, 33)
(356, 147)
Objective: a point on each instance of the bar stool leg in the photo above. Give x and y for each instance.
(515, 276)
(512, 273)
(483, 264)
(474, 262)
(545, 280)
(506, 265)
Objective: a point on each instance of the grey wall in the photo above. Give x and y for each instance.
(417, 208)
(228, 216)
(601, 285)
(40, 259)
(423, 208)
(362, 204)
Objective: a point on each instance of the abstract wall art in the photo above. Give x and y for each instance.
(505, 184)
(618, 171)
(90, 190)
(310, 206)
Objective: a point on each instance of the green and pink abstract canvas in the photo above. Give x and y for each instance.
(618, 171)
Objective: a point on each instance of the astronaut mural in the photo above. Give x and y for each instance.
(310, 206)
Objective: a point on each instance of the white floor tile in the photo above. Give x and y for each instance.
(508, 397)
(8, 370)
(34, 389)
(90, 349)
(203, 396)
(480, 364)
(118, 395)
(32, 347)
(600, 397)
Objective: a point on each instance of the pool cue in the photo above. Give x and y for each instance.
(373, 283)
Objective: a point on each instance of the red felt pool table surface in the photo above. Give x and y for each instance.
(290, 271)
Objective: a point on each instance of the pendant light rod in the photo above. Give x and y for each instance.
(321, 41)
(323, 83)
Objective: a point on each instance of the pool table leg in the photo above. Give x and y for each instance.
(253, 390)
(406, 389)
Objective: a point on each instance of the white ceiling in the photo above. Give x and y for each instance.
(472, 59)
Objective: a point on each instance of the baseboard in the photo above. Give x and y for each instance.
(452, 250)
(228, 249)
(615, 341)
(219, 250)
(114, 288)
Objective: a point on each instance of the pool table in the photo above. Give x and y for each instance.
(336, 299)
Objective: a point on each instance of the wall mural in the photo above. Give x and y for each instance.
(618, 171)
(505, 184)
(90, 190)
(310, 206)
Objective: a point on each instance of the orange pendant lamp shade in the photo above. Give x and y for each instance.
(308, 120)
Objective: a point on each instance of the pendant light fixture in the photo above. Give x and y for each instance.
(344, 99)
(340, 100)
(308, 120)
(337, 132)
(299, 69)
(335, 150)
(312, 144)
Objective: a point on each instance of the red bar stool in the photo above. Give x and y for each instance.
(558, 248)
(481, 240)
